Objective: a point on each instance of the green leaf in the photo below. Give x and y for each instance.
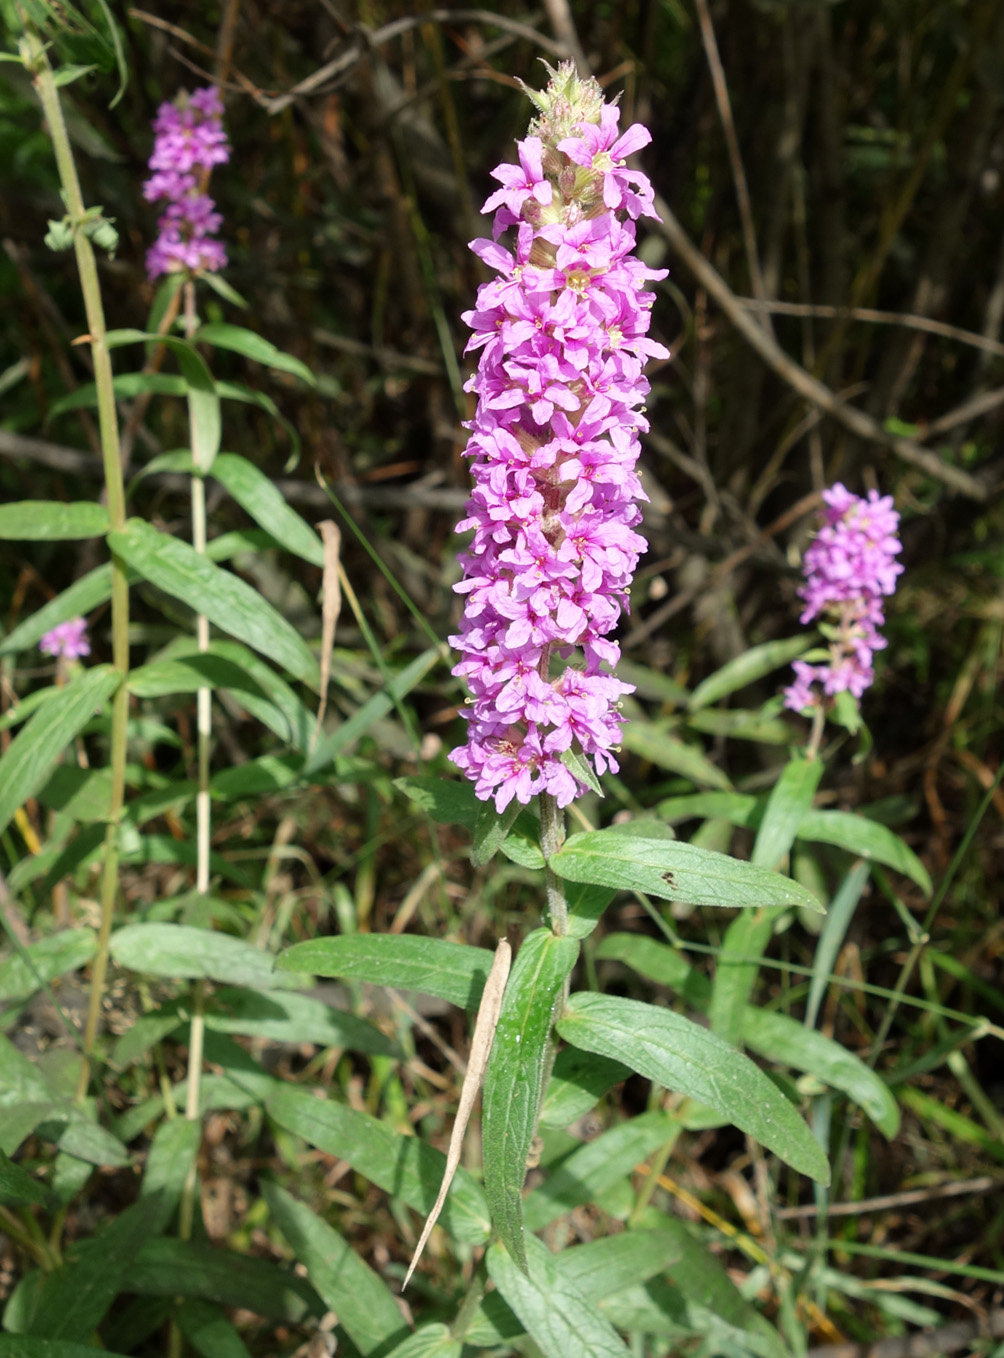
(403, 1166)
(225, 599)
(601, 1268)
(739, 724)
(698, 1298)
(866, 839)
(455, 972)
(48, 520)
(169, 1160)
(785, 1040)
(578, 1081)
(18, 1189)
(220, 285)
(660, 963)
(585, 906)
(203, 398)
(431, 1341)
(27, 1346)
(337, 741)
(449, 802)
(228, 665)
(736, 969)
(86, 593)
(669, 752)
(282, 1016)
(841, 910)
(25, 766)
(739, 808)
(685, 1057)
(236, 391)
(241, 341)
(514, 1080)
(39, 963)
(74, 1298)
(365, 1308)
(257, 494)
(674, 871)
(747, 668)
(561, 1320)
(597, 1165)
(786, 808)
(191, 1268)
(209, 1331)
(176, 950)
(491, 829)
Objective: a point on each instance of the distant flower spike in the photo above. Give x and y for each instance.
(849, 567)
(190, 140)
(68, 639)
(562, 331)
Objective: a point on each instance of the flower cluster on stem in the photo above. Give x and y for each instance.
(562, 330)
(849, 567)
(67, 639)
(190, 140)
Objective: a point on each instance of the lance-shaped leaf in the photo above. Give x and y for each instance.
(242, 341)
(685, 1057)
(26, 764)
(203, 397)
(514, 1082)
(560, 1318)
(257, 494)
(866, 839)
(674, 871)
(365, 1308)
(48, 520)
(455, 972)
(403, 1166)
(162, 949)
(225, 599)
(748, 667)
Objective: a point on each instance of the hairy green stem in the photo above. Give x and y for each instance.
(552, 836)
(204, 721)
(48, 94)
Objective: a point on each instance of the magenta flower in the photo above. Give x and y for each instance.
(562, 331)
(849, 567)
(68, 639)
(190, 140)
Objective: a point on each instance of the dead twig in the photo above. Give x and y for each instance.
(807, 386)
(868, 314)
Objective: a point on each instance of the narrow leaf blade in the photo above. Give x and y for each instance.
(514, 1080)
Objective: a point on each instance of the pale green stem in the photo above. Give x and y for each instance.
(45, 86)
(204, 721)
(816, 737)
(552, 836)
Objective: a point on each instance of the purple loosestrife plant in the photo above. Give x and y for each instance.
(190, 140)
(67, 639)
(562, 331)
(849, 567)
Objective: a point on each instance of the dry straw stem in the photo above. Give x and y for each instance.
(477, 1064)
(807, 386)
(331, 590)
(948, 1339)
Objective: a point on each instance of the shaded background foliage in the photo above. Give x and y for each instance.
(872, 139)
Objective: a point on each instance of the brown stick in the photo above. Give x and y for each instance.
(807, 386)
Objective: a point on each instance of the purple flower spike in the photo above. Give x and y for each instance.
(562, 331)
(68, 639)
(190, 140)
(848, 569)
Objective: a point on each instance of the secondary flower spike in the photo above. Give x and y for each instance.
(68, 639)
(190, 140)
(562, 330)
(849, 567)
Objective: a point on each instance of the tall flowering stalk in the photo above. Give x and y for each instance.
(849, 568)
(190, 140)
(562, 331)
